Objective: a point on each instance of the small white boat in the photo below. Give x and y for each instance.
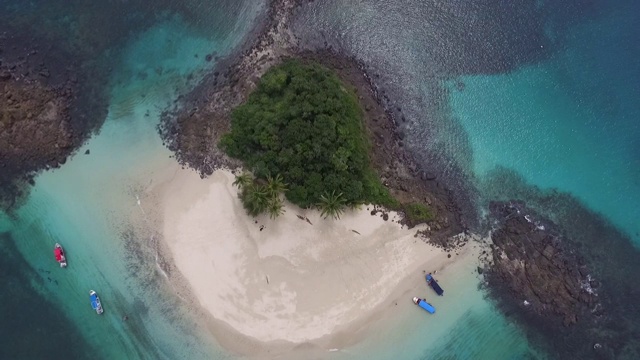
(95, 302)
(59, 254)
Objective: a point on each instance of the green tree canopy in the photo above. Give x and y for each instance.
(303, 124)
(331, 205)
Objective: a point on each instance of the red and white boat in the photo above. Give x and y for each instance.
(59, 253)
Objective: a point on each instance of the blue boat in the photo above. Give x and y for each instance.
(95, 302)
(424, 304)
(434, 284)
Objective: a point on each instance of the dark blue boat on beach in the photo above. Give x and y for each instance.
(434, 285)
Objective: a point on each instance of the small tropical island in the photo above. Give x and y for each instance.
(308, 222)
(305, 207)
(314, 122)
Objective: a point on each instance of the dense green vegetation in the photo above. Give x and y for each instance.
(302, 123)
(417, 213)
(261, 196)
(331, 205)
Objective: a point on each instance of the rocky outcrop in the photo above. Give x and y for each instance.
(193, 130)
(610, 328)
(48, 107)
(33, 125)
(35, 132)
(538, 266)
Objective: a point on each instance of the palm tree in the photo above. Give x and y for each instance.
(255, 199)
(331, 205)
(275, 207)
(276, 185)
(243, 180)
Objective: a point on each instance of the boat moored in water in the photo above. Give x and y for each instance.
(424, 304)
(95, 302)
(58, 252)
(434, 284)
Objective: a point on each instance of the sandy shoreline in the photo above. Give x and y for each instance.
(293, 282)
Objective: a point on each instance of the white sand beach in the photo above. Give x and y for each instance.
(294, 281)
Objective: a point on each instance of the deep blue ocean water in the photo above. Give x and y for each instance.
(544, 92)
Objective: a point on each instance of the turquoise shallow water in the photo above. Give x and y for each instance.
(569, 126)
(86, 206)
(570, 123)
(465, 326)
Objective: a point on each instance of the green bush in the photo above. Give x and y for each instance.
(305, 125)
(417, 213)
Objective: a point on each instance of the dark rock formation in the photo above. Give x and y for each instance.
(539, 267)
(612, 259)
(539, 277)
(49, 105)
(33, 125)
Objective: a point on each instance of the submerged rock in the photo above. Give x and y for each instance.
(45, 111)
(33, 127)
(537, 265)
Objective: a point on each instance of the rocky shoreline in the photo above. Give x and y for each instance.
(192, 129)
(584, 242)
(48, 108)
(538, 266)
(541, 278)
